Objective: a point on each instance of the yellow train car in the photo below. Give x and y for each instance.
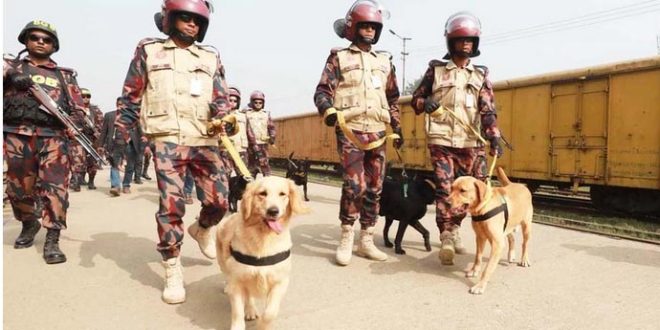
(595, 126)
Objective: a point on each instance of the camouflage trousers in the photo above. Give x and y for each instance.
(38, 169)
(363, 173)
(448, 164)
(78, 163)
(230, 165)
(171, 162)
(91, 166)
(259, 164)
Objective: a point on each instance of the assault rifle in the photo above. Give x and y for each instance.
(50, 107)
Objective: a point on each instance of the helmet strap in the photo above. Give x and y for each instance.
(182, 36)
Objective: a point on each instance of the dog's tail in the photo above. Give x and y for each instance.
(501, 176)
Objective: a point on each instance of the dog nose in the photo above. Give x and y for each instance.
(272, 211)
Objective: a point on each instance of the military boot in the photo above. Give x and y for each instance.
(459, 248)
(90, 184)
(366, 247)
(26, 237)
(345, 248)
(82, 178)
(205, 239)
(447, 248)
(52, 252)
(173, 292)
(75, 182)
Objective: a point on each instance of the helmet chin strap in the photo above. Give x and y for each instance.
(183, 37)
(370, 41)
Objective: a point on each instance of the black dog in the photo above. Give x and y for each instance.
(237, 186)
(297, 170)
(406, 205)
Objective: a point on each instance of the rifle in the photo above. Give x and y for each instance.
(50, 107)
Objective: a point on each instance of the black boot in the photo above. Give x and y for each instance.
(144, 171)
(137, 180)
(75, 182)
(82, 178)
(91, 185)
(52, 252)
(26, 238)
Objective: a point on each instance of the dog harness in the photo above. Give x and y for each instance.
(502, 208)
(254, 261)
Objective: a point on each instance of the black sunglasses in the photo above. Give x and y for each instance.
(36, 38)
(187, 18)
(86, 96)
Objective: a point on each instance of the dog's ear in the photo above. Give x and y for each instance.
(246, 200)
(480, 189)
(296, 205)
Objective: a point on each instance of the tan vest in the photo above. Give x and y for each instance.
(259, 124)
(457, 90)
(170, 112)
(361, 91)
(240, 140)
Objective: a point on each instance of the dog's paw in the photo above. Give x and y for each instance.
(388, 244)
(306, 199)
(478, 289)
(427, 245)
(399, 250)
(524, 263)
(251, 314)
(471, 273)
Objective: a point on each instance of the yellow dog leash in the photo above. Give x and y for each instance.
(213, 128)
(351, 136)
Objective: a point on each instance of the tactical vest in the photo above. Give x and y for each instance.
(259, 124)
(458, 91)
(179, 89)
(20, 108)
(240, 140)
(360, 95)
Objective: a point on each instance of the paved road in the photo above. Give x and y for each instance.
(113, 278)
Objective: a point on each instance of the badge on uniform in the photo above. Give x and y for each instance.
(195, 87)
(469, 100)
(375, 81)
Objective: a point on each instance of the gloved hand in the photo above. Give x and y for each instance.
(398, 143)
(331, 120)
(271, 140)
(430, 105)
(20, 81)
(229, 128)
(495, 148)
(257, 154)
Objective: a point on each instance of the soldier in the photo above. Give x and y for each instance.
(360, 84)
(464, 89)
(95, 115)
(36, 143)
(175, 87)
(264, 131)
(242, 141)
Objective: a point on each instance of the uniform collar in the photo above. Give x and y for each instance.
(355, 48)
(194, 49)
(50, 65)
(451, 65)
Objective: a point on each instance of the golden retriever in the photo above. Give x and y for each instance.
(253, 249)
(512, 199)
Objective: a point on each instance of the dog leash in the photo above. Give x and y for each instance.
(351, 136)
(229, 146)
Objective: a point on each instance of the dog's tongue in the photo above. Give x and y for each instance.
(274, 225)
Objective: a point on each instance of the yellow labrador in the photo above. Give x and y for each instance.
(495, 212)
(253, 249)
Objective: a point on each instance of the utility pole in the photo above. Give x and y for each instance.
(657, 42)
(403, 55)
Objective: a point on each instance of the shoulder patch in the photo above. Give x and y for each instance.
(437, 63)
(147, 41)
(336, 50)
(9, 57)
(385, 53)
(210, 49)
(482, 68)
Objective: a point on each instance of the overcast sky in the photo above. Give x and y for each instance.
(280, 46)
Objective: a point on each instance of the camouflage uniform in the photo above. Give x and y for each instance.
(456, 153)
(178, 138)
(37, 150)
(264, 131)
(363, 170)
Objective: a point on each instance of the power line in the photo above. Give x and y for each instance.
(576, 22)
